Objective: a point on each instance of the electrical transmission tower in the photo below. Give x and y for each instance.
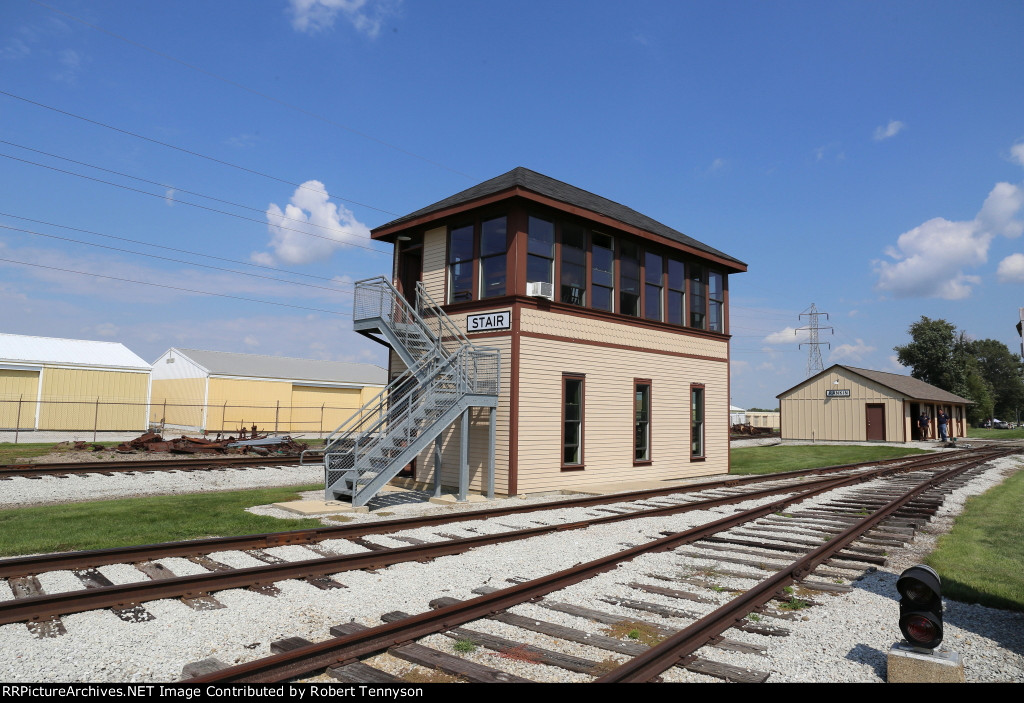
(814, 346)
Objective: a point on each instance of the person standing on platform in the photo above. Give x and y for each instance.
(943, 420)
(922, 422)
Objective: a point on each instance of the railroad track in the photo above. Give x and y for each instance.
(340, 657)
(43, 611)
(109, 468)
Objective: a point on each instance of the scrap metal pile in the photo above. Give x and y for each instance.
(254, 444)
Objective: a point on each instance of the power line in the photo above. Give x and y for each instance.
(166, 185)
(161, 246)
(167, 258)
(185, 202)
(246, 88)
(181, 149)
(187, 290)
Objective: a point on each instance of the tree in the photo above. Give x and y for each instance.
(941, 355)
(1003, 372)
(935, 355)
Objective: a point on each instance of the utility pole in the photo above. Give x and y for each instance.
(814, 346)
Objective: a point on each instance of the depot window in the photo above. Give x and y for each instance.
(574, 265)
(629, 278)
(602, 272)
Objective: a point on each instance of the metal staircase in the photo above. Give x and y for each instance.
(445, 376)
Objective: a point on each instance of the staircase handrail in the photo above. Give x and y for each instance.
(395, 298)
(455, 370)
(375, 410)
(446, 325)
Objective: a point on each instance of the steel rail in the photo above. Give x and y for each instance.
(679, 647)
(36, 564)
(34, 608)
(313, 658)
(8, 471)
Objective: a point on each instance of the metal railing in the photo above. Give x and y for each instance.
(372, 446)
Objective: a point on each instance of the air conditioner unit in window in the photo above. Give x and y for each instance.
(541, 289)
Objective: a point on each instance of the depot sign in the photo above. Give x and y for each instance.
(489, 321)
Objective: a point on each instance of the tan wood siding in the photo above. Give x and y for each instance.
(582, 328)
(435, 253)
(608, 430)
(808, 414)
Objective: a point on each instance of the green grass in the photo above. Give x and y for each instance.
(981, 560)
(11, 453)
(773, 459)
(131, 521)
(981, 433)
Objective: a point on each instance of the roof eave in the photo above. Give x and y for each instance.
(389, 233)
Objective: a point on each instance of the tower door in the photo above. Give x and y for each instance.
(410, 271)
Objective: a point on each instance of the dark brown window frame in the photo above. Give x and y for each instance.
(582, 378)
(476, 222)
(637, 382)
(703, 422)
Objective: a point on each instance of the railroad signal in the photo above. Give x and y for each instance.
(921, 606)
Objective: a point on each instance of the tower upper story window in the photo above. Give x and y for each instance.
(574, 265)
(540, 256)
(653, 286)
(716, 301)
(698, 297)
(493, 252)
(629, 278)
(676, 292)
(460, 264)
(602, 272)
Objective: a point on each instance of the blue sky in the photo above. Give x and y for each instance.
(866, 157)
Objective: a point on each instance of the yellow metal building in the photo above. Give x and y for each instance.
(224, 391)
(71, 384)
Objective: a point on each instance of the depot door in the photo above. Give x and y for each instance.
(875, 418)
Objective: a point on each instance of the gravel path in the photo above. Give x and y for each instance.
(845, 638)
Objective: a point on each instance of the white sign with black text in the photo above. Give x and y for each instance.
(839, 393)
(489, 321)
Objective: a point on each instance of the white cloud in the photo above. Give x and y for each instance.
(1017, 153)
(366, 16)
(106, 329)
(932, 257)
(310, 228)
(169, 196)
(1011, 269)
(787, 335)
(851, 352)
(890, 130)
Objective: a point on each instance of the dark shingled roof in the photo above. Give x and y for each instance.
(908, 386)
(544, 185)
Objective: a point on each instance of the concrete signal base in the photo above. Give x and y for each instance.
(910, 665)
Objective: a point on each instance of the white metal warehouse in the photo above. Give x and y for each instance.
(48, 383)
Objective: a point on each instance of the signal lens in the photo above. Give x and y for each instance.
(920, 629)
(917, 591)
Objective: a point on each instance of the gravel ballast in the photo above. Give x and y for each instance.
(845, 638)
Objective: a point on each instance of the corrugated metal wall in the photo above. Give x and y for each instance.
(82, 399)
(18, 391)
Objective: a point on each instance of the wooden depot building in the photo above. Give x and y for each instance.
(843, 403)
(613, 331)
